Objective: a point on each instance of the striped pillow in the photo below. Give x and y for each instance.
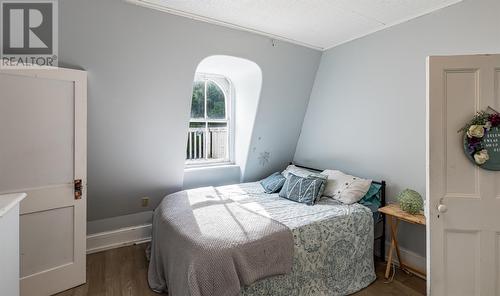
(303, 189)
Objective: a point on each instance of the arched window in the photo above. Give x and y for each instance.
(210, 125)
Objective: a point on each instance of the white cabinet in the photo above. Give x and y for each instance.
(9, 243)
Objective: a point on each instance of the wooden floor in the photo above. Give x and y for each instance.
(123, 271)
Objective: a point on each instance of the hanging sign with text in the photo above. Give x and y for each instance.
(482, 140)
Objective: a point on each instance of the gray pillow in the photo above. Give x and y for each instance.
(273, 183)
(303, 189)
(323, 186)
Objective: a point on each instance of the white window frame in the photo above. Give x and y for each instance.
(228, 92)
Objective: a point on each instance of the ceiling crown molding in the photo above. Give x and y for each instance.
(155, 6)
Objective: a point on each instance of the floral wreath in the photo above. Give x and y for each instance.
(475, 131)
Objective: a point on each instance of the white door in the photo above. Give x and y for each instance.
(42, 153)
(463, 242)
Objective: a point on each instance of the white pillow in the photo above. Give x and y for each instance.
(299, 172)
(345, 188)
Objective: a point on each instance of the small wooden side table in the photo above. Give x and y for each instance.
(394, 214)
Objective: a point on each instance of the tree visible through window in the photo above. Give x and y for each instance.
(208, 135)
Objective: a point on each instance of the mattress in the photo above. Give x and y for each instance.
(333, 243)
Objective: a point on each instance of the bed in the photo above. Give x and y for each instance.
(325, 249)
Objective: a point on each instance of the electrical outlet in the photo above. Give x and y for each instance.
(145, 201)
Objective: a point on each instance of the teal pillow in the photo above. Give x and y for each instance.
(372, 200)
(273, 183)
(303, 189)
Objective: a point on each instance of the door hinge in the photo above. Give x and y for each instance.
(78, 188)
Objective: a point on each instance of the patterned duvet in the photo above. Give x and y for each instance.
(333, 252)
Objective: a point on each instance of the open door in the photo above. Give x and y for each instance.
(43, 153)
(464, 234)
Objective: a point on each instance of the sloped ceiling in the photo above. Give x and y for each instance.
(320, 24)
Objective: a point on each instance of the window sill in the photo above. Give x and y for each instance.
(204, 166)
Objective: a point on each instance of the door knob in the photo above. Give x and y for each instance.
(442, 208)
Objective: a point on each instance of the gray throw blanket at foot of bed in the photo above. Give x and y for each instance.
(207, 245)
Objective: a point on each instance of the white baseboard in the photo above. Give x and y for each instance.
(118, 238)
(114, 223)
(411, 258)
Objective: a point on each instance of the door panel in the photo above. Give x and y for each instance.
(496, 103)
(460, 87)
(458, 243)
(462, 242)
(40, 147)
(57, 245)
(43, 130)
(497, 269)
(461, 178)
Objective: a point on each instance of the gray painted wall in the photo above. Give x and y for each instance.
(141, 65)
(366, 114)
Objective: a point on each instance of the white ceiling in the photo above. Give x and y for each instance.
(319, 24)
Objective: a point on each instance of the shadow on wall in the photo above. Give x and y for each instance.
(246, 81)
